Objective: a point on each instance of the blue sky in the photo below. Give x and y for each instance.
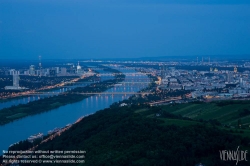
(123, 29)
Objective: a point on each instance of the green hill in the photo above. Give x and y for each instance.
(143, 135)
(230, 113)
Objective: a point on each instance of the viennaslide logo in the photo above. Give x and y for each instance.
(233, 155)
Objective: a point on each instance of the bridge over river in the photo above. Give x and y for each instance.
(91, 93)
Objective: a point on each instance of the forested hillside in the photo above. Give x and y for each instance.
(139, 135)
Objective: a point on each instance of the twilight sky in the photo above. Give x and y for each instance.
(123, 28)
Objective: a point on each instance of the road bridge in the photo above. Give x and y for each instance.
(91, 93)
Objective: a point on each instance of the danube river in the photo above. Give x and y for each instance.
(21, 129)
(27, 99)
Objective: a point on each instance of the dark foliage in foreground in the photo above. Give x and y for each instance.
(118, 136)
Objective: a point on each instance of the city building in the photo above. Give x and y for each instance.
(15, 83)
(52, 73)
(32, 70)
(13, 71)
(57, 69)
(229, 78)
(63, 71)
(235, 69)
(15, 80)
(78, 68)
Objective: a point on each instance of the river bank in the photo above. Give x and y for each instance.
(8, 115)
(43, 122)
(54, 88)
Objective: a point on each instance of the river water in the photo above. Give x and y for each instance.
(21, 129)
(27, 99)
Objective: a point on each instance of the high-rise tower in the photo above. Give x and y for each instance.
(15, 80)
(78, 68)
(229, 77)
(40, 65)
(32, 70)
(163, 71)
